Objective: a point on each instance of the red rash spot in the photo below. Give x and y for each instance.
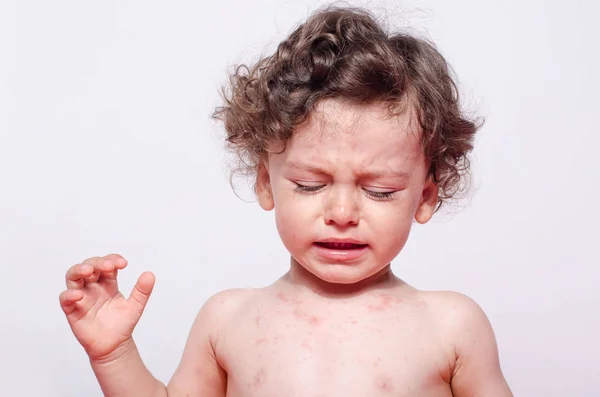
(311, 319)
(257, 320)
(385, 301)
(282, 297)
(306, 346)
(384, 384)
(259, 378)
(285, 298)
(261, 341)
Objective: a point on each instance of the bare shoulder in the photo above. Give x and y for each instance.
(459, 319)
(223, 306)
(453, 309)
(228, 299)
(199, 354)
(463, 326)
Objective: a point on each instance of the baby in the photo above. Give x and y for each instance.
(352, 134)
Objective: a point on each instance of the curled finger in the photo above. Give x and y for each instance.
(68, 300)
(118, 260)
(92, 278)
(76, 274)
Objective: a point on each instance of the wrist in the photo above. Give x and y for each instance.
(120, 353)
(123, 373)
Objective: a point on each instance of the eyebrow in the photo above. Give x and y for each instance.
(306, 167)
(369, 175)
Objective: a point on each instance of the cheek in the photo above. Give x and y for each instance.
(294, 215)
(392, 224)
(394, 227)
(392, 237)
(294, 227)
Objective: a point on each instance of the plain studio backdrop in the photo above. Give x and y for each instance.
(106, 145)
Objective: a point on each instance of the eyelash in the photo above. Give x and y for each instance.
(308, 189)
(381, 196)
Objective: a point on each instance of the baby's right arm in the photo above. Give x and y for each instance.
(102, 320)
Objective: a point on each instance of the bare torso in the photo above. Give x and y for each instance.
(283, 342)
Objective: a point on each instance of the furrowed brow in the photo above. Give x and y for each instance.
(379, 174)
(300, 166)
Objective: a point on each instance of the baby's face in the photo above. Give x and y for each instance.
(347, 189)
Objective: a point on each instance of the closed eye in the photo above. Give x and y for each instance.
(307, 189)
(381, 196)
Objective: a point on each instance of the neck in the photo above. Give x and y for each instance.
(302, 278)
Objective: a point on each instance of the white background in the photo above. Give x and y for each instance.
(106, 145)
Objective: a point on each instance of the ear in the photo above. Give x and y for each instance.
(263, 187)
(429, 200)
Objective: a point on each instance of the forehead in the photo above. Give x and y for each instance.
(349, 135)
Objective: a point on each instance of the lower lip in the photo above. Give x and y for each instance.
(340, 255)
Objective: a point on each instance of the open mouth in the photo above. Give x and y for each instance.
(340, 246)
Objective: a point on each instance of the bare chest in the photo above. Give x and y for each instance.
(293, 349)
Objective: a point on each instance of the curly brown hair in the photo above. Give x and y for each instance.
(344, 53)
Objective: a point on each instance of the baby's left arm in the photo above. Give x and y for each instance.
(477, 370)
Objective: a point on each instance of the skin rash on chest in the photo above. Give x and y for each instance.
(383, 345)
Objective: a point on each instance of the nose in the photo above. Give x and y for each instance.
(342, 207)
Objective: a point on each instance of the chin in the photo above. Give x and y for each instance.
(344, 274)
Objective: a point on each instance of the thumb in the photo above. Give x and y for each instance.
(142, 290)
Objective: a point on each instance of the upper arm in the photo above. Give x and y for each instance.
(477, 371)
(199, 372)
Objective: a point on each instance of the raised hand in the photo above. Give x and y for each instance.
(101, 318)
